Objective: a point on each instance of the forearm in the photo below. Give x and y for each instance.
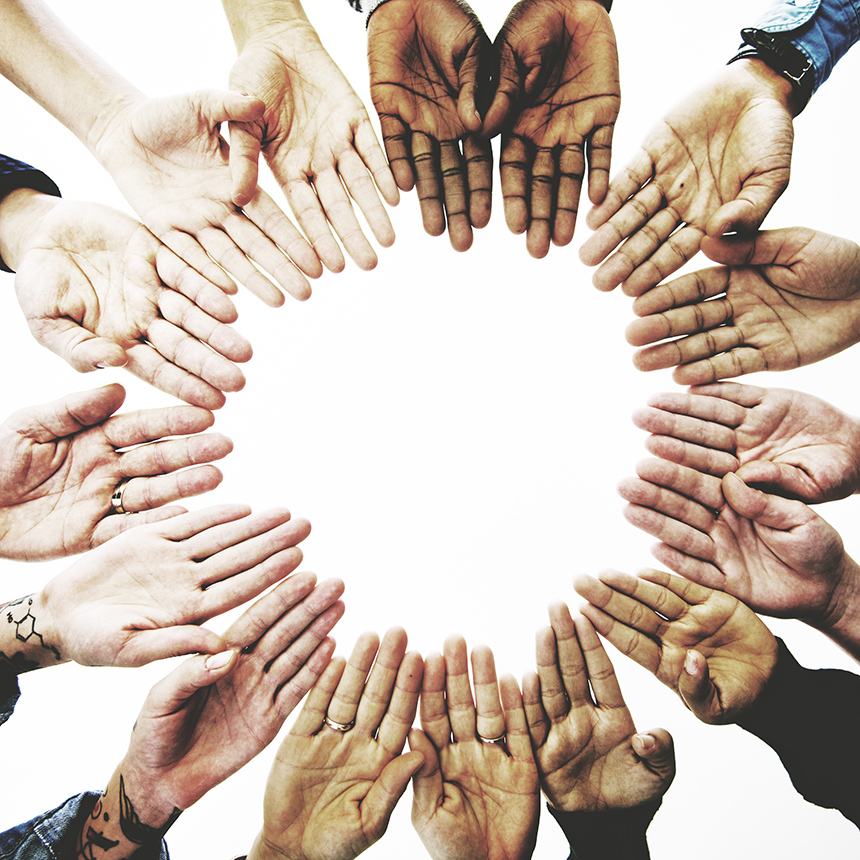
(114, 828)
(27, 641)
(48, 62)
(809, 718)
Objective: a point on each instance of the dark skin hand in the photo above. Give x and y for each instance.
(705, 645)
(558, 98)
(430, 62)
(784, 299)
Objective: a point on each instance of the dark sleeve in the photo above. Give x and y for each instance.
(18, 174)
(9, 692)
(613, 834)
(810, 719)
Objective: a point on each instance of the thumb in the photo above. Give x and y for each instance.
(756, 249)
(745, 213)
(171, 693)
(470, 82)
(217, 106)
(149, 645)
(771, 511)
(508, 92)
(386, 790)
(783, 478)
(90, 352)
(658, 749)
(427, 784)
(697, 691)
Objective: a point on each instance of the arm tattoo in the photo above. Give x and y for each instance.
(133, 828)
(91, 840)
(20, 614)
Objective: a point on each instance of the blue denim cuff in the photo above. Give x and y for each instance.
(823, 29)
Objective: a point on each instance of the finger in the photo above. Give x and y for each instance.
(694, 569)
(70, 414)
(725, 403)
(517, 739)
(490, 720)
(147, 646)
(344, 705)
(599, 161)
(478, 155)
(658, 750)
(78, 347)
(688, 540)
(223, 339)
(544, 184)
(667, 502)
(749, 249)
(426, 153)
(571, 664)
(397, 142)
(309, 213)
(192, 252)
(693, 289)
(756, 198)
(312, 715)
(401, 712)
(179, 276)
(167, 455)
(461, 707)
(110, 525)
(427, 783)
(773, 512)
(378, 690)
(339, 212)
(146, 494)
(698, 457)
(630, 642)
(433, 707)
(782, 479)
(696, 689)
(367, 146)
(536, 717)
(696, 486)
(687, 320)
(554, 701)
(689, 593)
(646, 605)
(147, 363)
(601, 674)
(672, 252)
(665, 421)
(147, 425)
(172, 693)
(363, 190)
(622, 191)
(244, 158)
(467, 110)
(571, 167)
(737, 362)
(515, 170)
(507, 95)
(385, 792)
(185, 527)
(454, 184)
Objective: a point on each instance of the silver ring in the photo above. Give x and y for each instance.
(116, 498)
(499, 740)
(339, 727)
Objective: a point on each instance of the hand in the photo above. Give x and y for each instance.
(788, 298)
(139, 597)
(713, 651)
(774, 554)
(473, 798)
(98, 289)
(169, 161)
(430, 62)
(331, 792)
(716, 163)
(61, 462)
(783, 441)
(212, 715)
(558, 93)
(317, 139)
(588, 755)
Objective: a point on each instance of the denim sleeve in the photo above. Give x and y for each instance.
(48, 836)
(18, 174)
(823, 29)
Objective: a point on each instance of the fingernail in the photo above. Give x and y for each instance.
(100, 365)
(647, 741)
(690, 663)
(218, 661)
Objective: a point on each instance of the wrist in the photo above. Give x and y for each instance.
(104, 134)
(262, 849)
(27, 640)
(21, 213)
(840, 619)
(265, 19)
(768, 82)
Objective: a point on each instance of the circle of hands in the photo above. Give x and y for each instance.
(728, 493)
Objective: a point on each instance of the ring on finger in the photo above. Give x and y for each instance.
(499, 740)
(339, 727)
(116, 498)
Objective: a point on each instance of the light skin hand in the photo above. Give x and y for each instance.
(330, 794)
(168, 159)
(783, 441)
(588, 754)
(212, 715)
(429, 66)
(473, 800)
(785, 299)
(61, 462)
(774, 554)
(557, 99)
(705, 645)
(141, 596)
(716, 163)
(98, 289)
(317, 139)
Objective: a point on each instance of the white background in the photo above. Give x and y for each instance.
(453, 425)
